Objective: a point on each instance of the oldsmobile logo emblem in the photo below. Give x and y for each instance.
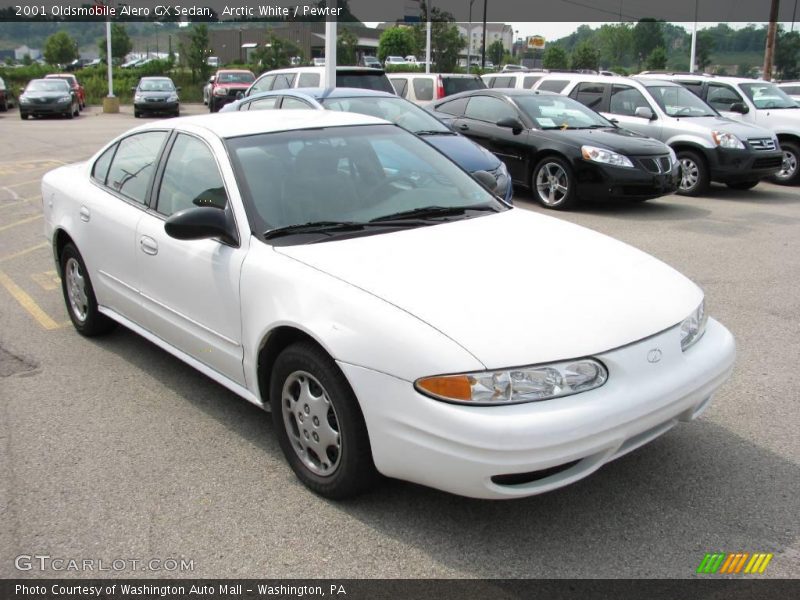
(654, 356)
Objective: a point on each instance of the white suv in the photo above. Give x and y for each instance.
(312, 77)
(755, 102)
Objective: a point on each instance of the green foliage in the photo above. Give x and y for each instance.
(585, 56)
(615, 43)
(648, 34)
(276, 54)
(346, 45)
(396, 41)
(745, 69)
(60, 48)
(787, 52)
(705, 45)
(197, 51)
(446, 41)
(657, 59)
(495, 52)
(555, 57)
(121, 43)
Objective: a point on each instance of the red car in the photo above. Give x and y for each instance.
(226, 84)
(73, 83)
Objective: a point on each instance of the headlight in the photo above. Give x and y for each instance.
(512, 386)
(65, 99)
(24, 99)
(220, 91)
(727, 140)
(137, 98)
(604, 156)
(694, 326)
(673, 158)
(172, 98)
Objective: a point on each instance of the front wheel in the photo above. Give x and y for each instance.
(789, 173)
(743, 185)
(212, 106)
(319, 423)
(694, 174)
(79, 295)
(23, 116)
(553, 184)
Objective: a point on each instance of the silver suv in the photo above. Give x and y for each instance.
(755, 102)
(710, 147)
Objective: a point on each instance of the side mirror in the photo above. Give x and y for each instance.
(739, 107)
(486, 179)
(514, 124)
(202, 223)
(239, 95)
(22, 90)
(133, 89)
(644, 112)
(178, 89)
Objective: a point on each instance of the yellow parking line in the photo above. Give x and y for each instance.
(20, 222)
(23, 252)
(25, 183)
(28, 303)
(18, 202)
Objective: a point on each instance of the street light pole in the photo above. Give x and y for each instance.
(469, 36)
(483, 41)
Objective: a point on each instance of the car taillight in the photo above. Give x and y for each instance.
(439, 87)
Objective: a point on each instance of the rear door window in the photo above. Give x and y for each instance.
(453, 107)
(721, 96)
(134, 164)
(528, 82)
(454, 85)
(553, 85)
(625, 100)
(423, 88)
(400, 87)
(264, 84)
(503, 82)
(263, 103)
(283, 81)
(486, 108)
(589, 94)
(308, 80)
(368, 79)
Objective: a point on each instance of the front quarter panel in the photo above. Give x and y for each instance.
(353, 326)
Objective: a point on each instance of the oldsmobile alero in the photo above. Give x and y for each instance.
(394, 315)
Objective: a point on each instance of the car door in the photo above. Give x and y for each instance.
(622, 105)
(109, 218)
(479, 124)
(268, 103)
(722, 96)
(190, 288)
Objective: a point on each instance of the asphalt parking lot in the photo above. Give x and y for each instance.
(113, 449)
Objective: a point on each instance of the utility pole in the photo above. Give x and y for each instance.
(483, 41)
(769, 51)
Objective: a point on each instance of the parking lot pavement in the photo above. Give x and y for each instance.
(113, 449)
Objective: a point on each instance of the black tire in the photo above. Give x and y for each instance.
(177, 113)
(554, 173)
(23, 116)
(352, 470)
(695, 179)
(70, 114)
(77, 112)
(790, 172)
(743, 185)
(3, 106)
(136, 114)
(212, 106)
(88, 321)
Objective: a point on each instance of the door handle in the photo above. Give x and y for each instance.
(148, 245)
(463, 127)
(85, 214)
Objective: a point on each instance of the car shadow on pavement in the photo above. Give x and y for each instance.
(762, 194)
(653, 513)
(661, 208)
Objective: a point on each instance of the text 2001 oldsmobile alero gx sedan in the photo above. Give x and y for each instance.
(386, 307)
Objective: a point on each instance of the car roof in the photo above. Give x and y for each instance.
(58, 75)
(318, 93)
(320, 70)
(510, 92)
(236, 124)
(234, 71)
(156, 77)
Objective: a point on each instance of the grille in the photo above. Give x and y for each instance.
(656, 164)
(768, 163)
(761, 143)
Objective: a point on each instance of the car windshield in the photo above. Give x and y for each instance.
(236, 78)
(352, 175)
(68, 78)
(156, 85)
(677, 101)
(48, 85)
(767, 95)
(559, 112)
(400, 112)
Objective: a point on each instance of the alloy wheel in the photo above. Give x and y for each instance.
(552, 184)
(76, 289)
(788, 167)
(690, 173)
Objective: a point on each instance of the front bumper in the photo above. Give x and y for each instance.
(55, 108)
(156, 107)
(732, 166)
(604, 182)
(546, 445)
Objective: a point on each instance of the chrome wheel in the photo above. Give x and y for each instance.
(690, 173)
(311, 423)
(788, 167)
(552, 184)
(76, 289)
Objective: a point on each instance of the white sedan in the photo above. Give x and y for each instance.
(394, 316)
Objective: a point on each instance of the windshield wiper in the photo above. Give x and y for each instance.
(327, 227)
(425, 212)
(434, 132)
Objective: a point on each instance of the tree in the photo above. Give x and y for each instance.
(275, 54)
(787, 51)
(121, 43)
(197, 51)
(615, 43)
(705, 46)
(585, 56)
(657, 59)
(396, 41)
(346, 46)
(60, 48)
(648, 34)
(446, 41)
(495, 52)
(555, 57)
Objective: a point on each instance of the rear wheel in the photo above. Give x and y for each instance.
(743, 185)
(694, 174)
(319, 423)
(70, 114)
(79, 295)
(212, 106)
(23, 116)
(553, 184)
(789, 173)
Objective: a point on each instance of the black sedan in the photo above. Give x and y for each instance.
(155, 95)
(48, 97)
(563, 151)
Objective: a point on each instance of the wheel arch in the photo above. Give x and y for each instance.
(60, 239)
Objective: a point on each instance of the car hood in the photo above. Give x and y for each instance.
(706, 124)
(513, 288)
(616, 139)
(469, 155)
(241, 86)
(163, 95)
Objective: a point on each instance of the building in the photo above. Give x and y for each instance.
(23, 51)
(473, 32)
